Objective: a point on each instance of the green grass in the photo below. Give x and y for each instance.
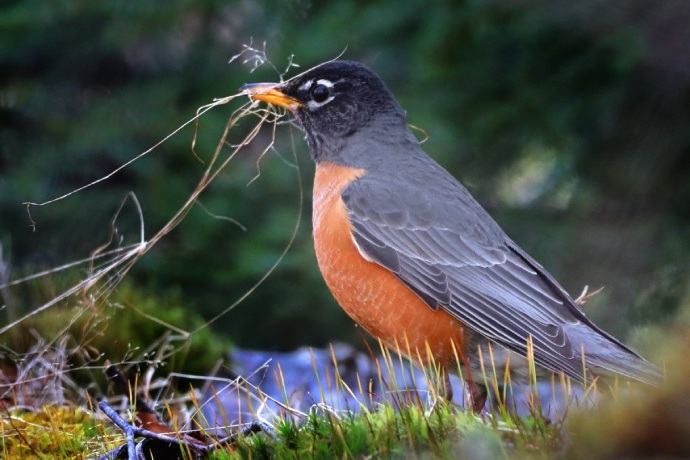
(405, 426)
(444, 432)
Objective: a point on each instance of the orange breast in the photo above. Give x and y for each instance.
(370, 294)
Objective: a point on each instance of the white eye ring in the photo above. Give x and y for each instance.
(316, 92)
(309, 83)
(320, 93)
(306, 85)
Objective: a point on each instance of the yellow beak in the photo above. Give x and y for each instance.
(269, 92)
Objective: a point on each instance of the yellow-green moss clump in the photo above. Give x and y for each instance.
(54, 433)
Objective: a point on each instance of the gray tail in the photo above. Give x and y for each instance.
(604, 355)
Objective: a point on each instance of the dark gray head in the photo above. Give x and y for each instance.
(335, 102)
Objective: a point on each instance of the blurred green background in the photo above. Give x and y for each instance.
(569, 121)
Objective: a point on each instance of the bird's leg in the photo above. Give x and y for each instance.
(478, 394)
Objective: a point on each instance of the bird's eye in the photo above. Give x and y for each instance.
(320, 93)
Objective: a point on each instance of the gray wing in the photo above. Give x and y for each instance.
(450, 252)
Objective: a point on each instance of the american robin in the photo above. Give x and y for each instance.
(412, 257)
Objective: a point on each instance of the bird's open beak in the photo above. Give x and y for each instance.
(271, 93)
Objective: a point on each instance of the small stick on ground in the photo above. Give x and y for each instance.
(164, 443)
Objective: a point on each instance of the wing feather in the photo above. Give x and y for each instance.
(454, 256)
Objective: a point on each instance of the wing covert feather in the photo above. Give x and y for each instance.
(469, 267)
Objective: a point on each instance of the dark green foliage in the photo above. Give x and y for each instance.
(131, 328)
(568, 120)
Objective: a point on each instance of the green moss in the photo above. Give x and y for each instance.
(54, 433)
(389, 432)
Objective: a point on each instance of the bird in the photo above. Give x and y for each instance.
(415, 260)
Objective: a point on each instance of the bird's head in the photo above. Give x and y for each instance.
(333, 102)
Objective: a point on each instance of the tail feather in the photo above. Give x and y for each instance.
(609, 358)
